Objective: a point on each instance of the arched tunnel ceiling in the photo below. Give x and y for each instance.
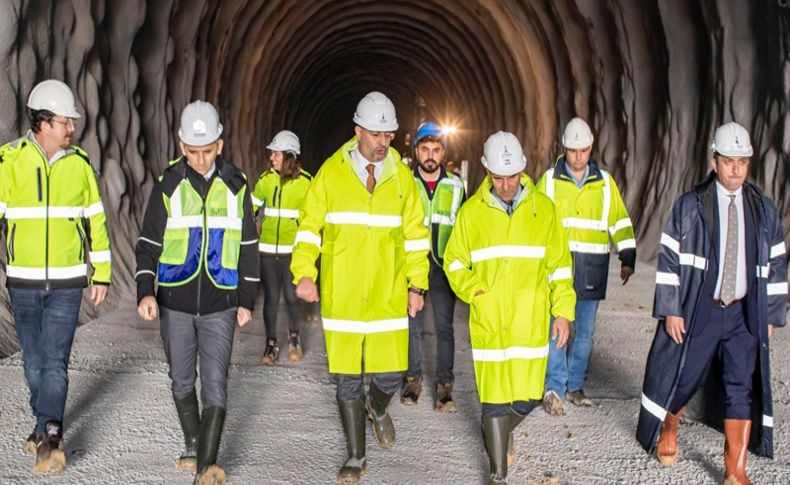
(653, 78)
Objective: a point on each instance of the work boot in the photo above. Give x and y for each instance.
(295, 353)
(49, 456)
(495, 436)
(30, 445)
(208, 472)
(412, 388)
(352, 414)
(578, 398)
(189, 416)
(514, 419)
(270, 353)
(736, 441)
(552, 404)
(444, 398)
(376, 403)
(667, 448)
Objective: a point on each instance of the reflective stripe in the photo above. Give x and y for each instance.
(149, 241)
(42, 213)
(667, 279)
(223, 223)
(688, 259)
(778, 250)
(578, 223)
(589, 248)
(249, 242)
(762, 271)
(184, 222)
(307, 237)
(440, 219)
(768, 421)
(621, 224)
(670, 243)
(777, 288)
(232, 205)
(363, 218)
(175, 201)
(100, 256)
(417, 245)
(144, 271)
(456, 265)
(653, 408)
(256, 201)
(563, 273)
(55, 273)
(502, 355)
(626, 244)
(374, 326)
(94, 209)
(273, 248)
(550, 184)
(494, 252)
(3, 207)
(254, 280)
(607, 198)
(284, 213)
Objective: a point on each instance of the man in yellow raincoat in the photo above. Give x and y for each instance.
(508, 258)
(363, 215)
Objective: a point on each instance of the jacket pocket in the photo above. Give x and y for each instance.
(81, 235)
(11, 236)
(590, 275)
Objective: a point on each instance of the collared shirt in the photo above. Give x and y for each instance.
(740, 267)
(55, 157)
(579, 183)
(509, 206)
(361, 167)
(211, 171)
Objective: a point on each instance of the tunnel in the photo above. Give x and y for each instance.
(654, 79)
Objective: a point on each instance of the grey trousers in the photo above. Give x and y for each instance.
(351, 387)
(211, 336)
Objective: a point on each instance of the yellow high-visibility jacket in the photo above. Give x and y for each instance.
(522, 264)
(372, 247)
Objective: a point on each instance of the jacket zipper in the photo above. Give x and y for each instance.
(38, 176)
(46, 237)
(11, 242)
(277, 234)
(203, 248)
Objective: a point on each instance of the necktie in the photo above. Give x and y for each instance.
(730, 254)
(371, 183)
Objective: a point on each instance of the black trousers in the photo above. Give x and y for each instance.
(277, 278)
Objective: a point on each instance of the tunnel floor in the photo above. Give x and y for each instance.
(282, 424)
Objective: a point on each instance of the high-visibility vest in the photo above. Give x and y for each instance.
(201, 233)
(281, 204)
(441, 211)
(522, 265)
(49, 208)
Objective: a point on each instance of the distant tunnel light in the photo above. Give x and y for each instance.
(449, 129)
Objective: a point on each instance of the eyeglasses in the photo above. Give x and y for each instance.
(67, 123)
(386, 135)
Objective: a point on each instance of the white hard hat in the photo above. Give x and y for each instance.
(375, 112)
(285, 141)
(53, 95)
(199, 124)
(502, 154)
(577, 135)
(732, 140)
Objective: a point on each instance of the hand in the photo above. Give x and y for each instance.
(98, 294)
(243, 316)
(770, 331)
(416, 303)
(148, 309)
(625, 273)
(307, 290)
(562, 330)
(675, 327)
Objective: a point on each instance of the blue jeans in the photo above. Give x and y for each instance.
(567, 368)
(45, 322)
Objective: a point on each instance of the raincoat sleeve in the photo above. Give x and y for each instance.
(99, 239)
(307, 244)
(668, 297)
(777, 272)
(417, 239)
(560, 273)
(463, 279)
(620, 227)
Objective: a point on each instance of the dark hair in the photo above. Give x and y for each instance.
(38, 116)
(291, 167)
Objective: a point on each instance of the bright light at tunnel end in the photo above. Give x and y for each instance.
(449, 129)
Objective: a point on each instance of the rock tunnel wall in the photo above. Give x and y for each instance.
(653, 78)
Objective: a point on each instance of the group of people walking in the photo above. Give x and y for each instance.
(531, 260)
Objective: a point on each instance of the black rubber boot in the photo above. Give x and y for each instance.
(376, 404)
(189, 416)
(208, 472)
(352, 414)
(514, 419)
(495, 435)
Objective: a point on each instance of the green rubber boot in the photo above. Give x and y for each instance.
(376, 404)
(495, 435)
(189, 416)
(352, 414)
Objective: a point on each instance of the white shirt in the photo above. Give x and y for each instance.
(740, 267)
(361, 167)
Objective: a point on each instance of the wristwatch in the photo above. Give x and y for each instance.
(419, 291)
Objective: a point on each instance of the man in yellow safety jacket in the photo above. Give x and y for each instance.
(508, 258)
(55, 220)
(363, 215)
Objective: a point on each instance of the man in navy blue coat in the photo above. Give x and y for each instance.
(721, 288)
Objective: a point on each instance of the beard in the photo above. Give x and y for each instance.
(429, 169)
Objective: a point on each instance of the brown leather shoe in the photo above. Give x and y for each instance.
(444, 398)
(667, 448)
(412, 388)
(736, 442)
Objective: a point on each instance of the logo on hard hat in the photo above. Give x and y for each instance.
(382, 118)
(506, 157)
(737, 143)
(199, 128)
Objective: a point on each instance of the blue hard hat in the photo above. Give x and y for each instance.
(429, 129)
